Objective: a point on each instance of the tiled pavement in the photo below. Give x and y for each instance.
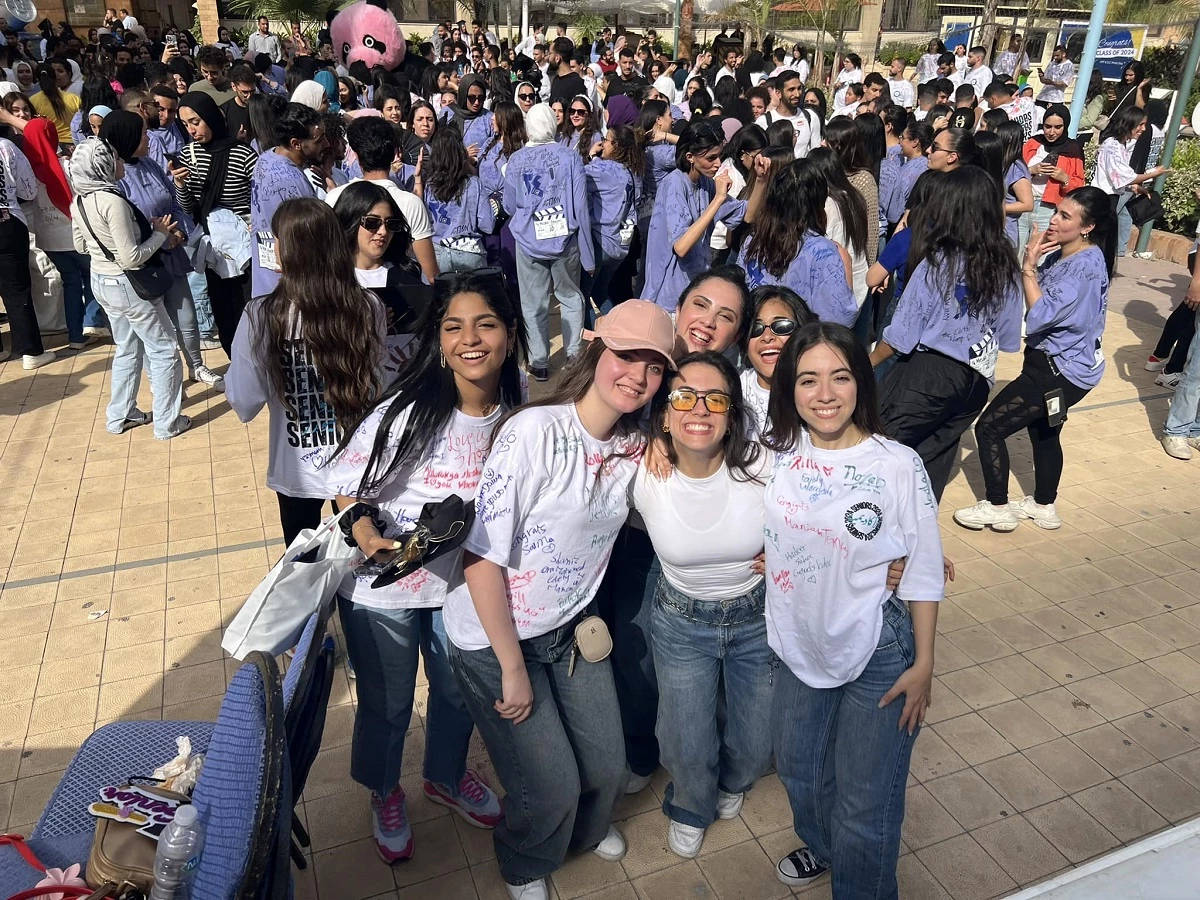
(1066, 717)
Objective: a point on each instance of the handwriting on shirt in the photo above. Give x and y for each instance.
(489, 504)
(535, 539)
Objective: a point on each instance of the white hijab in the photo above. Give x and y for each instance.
(309, 93)
(540, 125)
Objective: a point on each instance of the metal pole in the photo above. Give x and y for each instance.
(1177, 114)
(675, 34)
(1087, 63)
(524, 19)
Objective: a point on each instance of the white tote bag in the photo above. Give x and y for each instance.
(273, 616)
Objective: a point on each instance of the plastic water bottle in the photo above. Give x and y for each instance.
(178, 854)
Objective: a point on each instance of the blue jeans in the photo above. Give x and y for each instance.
(181, 309)
(626, 603)
(700, 646)
(844, 763)
(560, 775)
(198, 285)
(76, 271)
(140, 328)
(1124, 223)
(383, 645)
(1183, 419)
(538, 279)
(451, 260)
(595, 286)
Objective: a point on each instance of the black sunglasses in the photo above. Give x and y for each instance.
(475, 98)
(579, 112)
(527, 96)
(781, 327)
(374, 223)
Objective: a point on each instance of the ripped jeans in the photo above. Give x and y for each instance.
(701, 646)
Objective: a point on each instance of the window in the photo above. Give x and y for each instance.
(442, 11)
(910, 15)
(1035, 46)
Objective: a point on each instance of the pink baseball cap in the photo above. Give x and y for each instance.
(637, 325)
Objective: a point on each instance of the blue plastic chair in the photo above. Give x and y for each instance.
(244, 794)
(306, 689)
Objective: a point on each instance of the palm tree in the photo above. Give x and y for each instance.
(282, 10)
(687, 34)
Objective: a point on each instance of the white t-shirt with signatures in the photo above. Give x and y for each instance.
(835, 520)
(548, 509)
(451, 465)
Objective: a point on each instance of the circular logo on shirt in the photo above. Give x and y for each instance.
(863, 520)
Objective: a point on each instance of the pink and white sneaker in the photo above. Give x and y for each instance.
(473, 800)
(393, 836)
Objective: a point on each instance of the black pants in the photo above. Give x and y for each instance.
(1022, 404)
(927, 403)
(1177, 333)
(16, 288)
(298, 513)
(228, 297)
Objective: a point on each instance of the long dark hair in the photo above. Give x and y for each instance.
(649, 114)
(628, 149)
(741, 453)
(794, 205)
(850, 203)
(510, 122)
(263, 110)
(989, 155)
(698, 138)
(1121, 126)
(782, 133)
(844, 139)
(48, 82)
(1013, 136)
(874, 139)
(318, 301)
(356, 200)
(448, 168)
(962, 238)
(786, 424)
(590, 126)
(97, 91)
(1098, 213)
(429, 387)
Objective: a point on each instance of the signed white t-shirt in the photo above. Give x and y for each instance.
(451, 465)
(548, 509)
(756, 398)
(835, 521)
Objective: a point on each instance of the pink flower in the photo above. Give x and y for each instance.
(67, 878)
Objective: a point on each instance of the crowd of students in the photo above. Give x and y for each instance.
(793, 320)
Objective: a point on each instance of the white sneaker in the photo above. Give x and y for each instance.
(1169, 381)
(612, 848)
(729, 806)
(1154, 364)
(88, 340)
(1194, 443)
(210, 344)
(1177, 447)
(36, 362)
(984, 514)
(684, 840)
(97, 331)
(205, 375)
(535, 890)
(1043, 516)
(638, 783)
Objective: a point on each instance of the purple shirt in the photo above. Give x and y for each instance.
(891, 205)
(926, 318)
(461, 224)
(660, 162)
(545, 192)
(491, 166)
(478, 130)
(676, 208)
(909, 173)
(817, 274)
(163, 141)
(1067, 323)
(1015, 173)
(275, 179)
(147, 187)
(613, 194)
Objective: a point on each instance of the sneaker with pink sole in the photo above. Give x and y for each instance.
(393, 835)
(473, 800)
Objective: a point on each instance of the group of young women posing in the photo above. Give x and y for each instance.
(785, 552)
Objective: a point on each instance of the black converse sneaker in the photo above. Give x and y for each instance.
(800, 867)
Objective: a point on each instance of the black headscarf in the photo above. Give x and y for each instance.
(123, 130)
(462, 115)
(1065, 146)
(219, 146)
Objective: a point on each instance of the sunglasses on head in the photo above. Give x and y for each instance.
(374, 223)
(685, 399)
(781, 327)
